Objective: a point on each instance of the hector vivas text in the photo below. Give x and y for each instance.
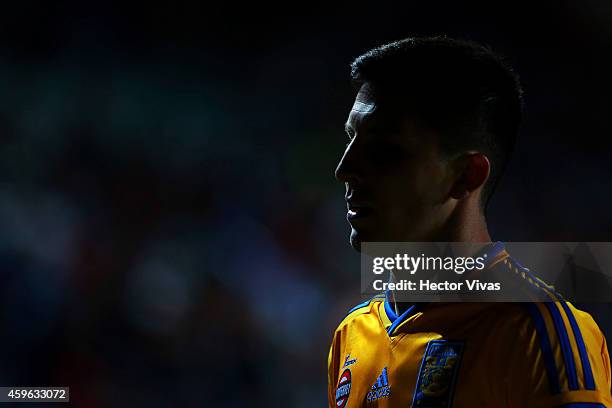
(403, 263)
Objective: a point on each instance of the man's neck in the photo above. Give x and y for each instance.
(464, 226)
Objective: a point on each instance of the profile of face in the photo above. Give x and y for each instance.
(398, 184)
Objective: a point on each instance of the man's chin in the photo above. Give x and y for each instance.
(357, 237)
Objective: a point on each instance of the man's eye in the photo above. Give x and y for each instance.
(388, 154)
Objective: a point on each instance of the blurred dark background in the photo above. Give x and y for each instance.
(171, 233)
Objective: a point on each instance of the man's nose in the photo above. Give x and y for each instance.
(348, 169)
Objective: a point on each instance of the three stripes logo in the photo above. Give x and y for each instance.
(344, 389)
(381, 388)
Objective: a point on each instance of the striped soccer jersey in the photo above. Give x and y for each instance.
(540, 354)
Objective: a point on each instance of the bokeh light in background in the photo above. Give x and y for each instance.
(170, 230)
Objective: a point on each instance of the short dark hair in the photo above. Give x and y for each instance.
(460, 88)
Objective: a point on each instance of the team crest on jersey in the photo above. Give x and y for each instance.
(437, 375)
(381, 387)
(344, 389)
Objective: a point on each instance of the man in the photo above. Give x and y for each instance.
(430, 131)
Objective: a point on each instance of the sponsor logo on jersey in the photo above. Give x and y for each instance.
(348, 360)
(437, 375)
(344, 389)
(381, 387)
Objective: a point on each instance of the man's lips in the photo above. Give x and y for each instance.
(355, 211)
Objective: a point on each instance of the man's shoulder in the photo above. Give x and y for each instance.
(363, 311)
(558, 315)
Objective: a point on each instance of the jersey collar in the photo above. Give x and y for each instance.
(492, 253)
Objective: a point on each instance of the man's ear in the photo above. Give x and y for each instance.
(473, 171)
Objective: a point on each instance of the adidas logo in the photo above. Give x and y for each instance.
(381, 388)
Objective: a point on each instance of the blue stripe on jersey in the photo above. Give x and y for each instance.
(359, 306)
(566, 348)
(491, 252)
(549, 359)
(584, 357)
(400, 319)
(390, 312)
(364, 304)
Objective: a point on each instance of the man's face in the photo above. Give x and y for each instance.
(397, 182)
